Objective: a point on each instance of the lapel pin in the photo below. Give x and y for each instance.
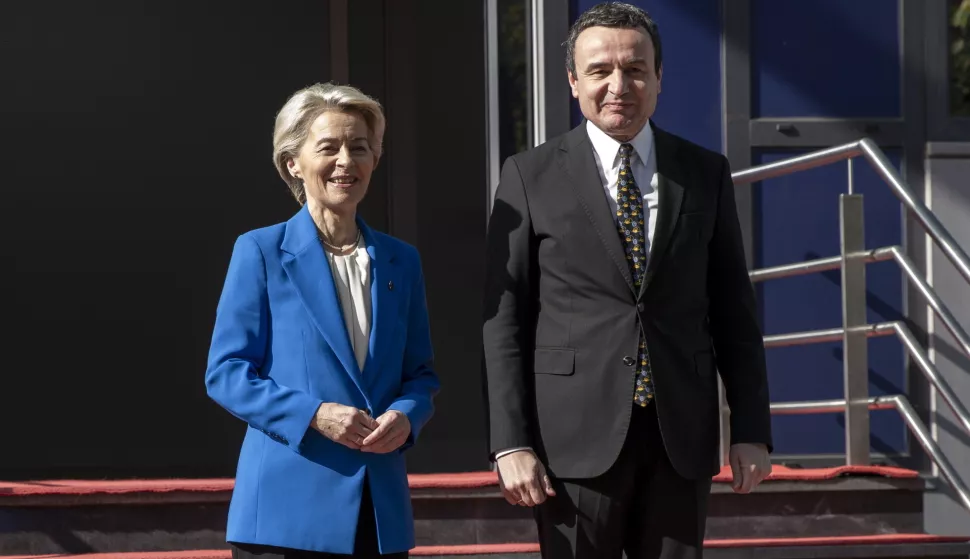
(390, 286)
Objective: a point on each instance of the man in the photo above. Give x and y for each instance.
(616, 291)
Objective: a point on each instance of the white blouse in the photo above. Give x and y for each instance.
(351, 275)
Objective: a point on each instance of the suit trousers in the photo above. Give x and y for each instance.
(365, 543)
(641, 506)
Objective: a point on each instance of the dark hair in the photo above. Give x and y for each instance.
(613, 14)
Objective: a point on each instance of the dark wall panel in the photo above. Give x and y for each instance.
(434, 190)
(136, 143)
(366, 46)
(451, 210)
(137, 146)
(433, 186)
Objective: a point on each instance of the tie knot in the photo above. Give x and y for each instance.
(626, 150)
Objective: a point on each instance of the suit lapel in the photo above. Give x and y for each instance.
(306, 265)
(385, 289)
(576, 158)
(671, 196)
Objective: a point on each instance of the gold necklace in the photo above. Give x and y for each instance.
(352, 246)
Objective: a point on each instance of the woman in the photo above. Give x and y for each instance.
(322, 346)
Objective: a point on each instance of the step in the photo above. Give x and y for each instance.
(144, 491)
(898, 546)
(449, 509)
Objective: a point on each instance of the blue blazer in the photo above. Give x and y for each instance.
(279, 349)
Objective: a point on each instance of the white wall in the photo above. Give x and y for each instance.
(948, 191)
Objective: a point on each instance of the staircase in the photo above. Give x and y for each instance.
(844, 512)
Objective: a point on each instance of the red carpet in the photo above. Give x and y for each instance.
(483, 549)
(883, 539)
(878, 539)
(113, 487)
(783, 473)
(198, 554)
(466, 480)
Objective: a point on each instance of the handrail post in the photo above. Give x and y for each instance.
(855, 324)
(851, 180)
(725, 428)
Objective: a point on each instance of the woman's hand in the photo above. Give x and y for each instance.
(392, 431)
(344, 424)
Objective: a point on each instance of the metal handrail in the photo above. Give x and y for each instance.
(876, 255)
(898, 328)
(854, 326)
(910, 344)
(814, 266)
(941, 310)
(932, 373)
(901, 404)
(868, 149)
(822, 336)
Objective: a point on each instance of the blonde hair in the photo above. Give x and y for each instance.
(302, 109)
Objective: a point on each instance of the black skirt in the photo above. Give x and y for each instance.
(365, 544)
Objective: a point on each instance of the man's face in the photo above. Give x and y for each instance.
(615, 81)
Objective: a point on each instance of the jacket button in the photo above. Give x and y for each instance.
(628, 361)
(640, 307)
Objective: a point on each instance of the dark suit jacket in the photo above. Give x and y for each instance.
(562, 317)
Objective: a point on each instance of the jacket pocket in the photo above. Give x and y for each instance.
(698, 225)
(554, 361)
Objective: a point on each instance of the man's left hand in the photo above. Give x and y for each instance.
(392, 432)
(750, 465)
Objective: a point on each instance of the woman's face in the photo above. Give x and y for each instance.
(336, 161)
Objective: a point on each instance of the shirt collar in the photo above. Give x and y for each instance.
(607, 148)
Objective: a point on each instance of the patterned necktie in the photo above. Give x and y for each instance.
(629, 216)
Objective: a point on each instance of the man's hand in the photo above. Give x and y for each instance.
(750, 465)
(392, 432)
(523, 479)
(343, 424)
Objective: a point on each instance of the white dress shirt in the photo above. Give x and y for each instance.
(351, 276)
(643, 162)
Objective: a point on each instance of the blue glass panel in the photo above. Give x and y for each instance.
(825, 58)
